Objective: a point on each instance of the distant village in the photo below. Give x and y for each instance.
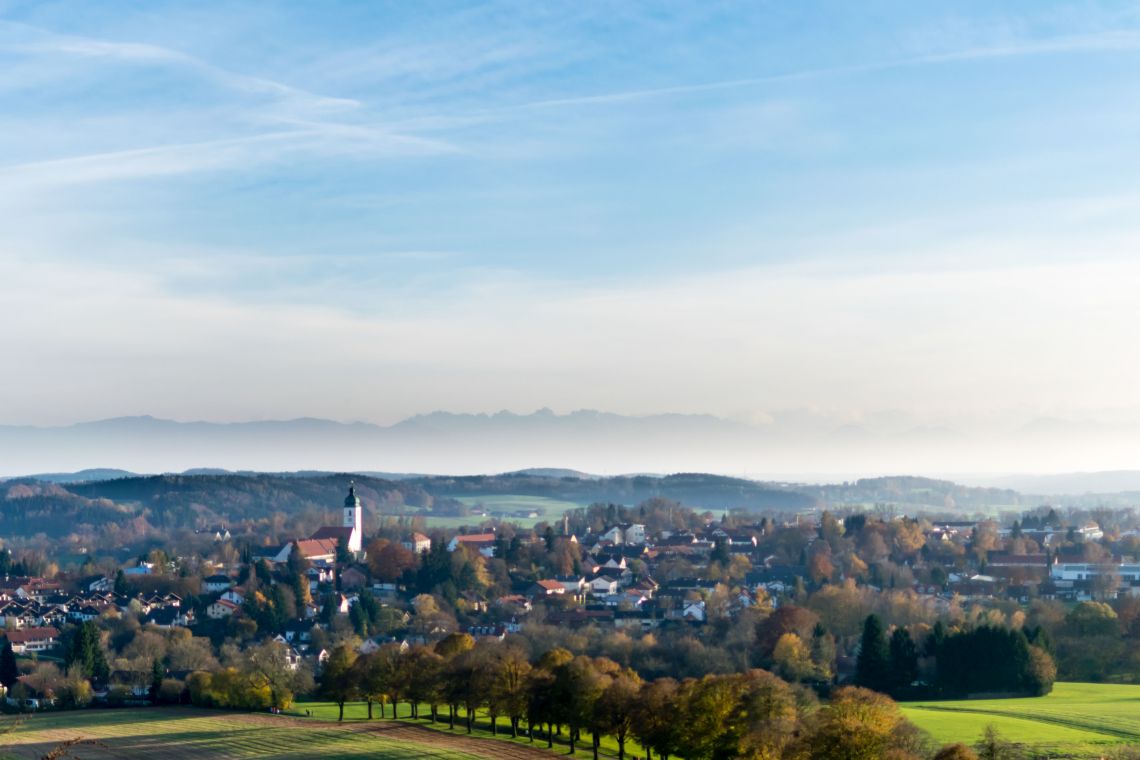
(676, 573)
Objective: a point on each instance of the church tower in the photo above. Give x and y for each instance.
(353, 519)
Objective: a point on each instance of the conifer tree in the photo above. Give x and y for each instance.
(872, 668)
(9, 672)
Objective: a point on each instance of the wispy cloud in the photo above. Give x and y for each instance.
(1108, 41)
(22, 38)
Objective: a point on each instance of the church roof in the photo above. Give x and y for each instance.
(316, 547)
(333, 533)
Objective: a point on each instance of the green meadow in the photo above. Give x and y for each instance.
(1077, 720)
(548, 509)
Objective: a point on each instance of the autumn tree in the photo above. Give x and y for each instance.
(615, 707)
(388, 560)
(577, 687)
(509, 686)
(423, 669)
(955, 752)
(792, 659)
(374, 673)
(706, 709)
(337, 682)
(858, 724)
(655, 721)
(267, 666)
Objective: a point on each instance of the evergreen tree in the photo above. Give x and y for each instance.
(121, 588)
(935, 639)
(157, 673)
(86, 650)
(904, 659)
(872, 668)
(9, 672)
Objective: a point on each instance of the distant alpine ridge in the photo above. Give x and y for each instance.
(791, 446)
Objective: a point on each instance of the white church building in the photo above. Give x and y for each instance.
(351, 528)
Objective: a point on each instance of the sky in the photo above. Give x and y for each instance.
(363, 211)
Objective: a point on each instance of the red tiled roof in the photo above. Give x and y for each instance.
(316, 547)
(477, 538)
(332, 532)
(26, 635)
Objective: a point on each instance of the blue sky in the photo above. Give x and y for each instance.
(367, 210)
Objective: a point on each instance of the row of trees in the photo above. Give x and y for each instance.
(578, 700)
(983, 659)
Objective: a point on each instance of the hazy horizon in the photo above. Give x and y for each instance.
(914, 220)
(791, 446)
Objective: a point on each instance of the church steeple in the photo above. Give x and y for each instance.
(353, 518)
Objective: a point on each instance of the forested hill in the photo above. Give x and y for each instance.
(158, 503)
(694, 489)
(918, 492)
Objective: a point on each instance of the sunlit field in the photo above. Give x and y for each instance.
(1076, 719)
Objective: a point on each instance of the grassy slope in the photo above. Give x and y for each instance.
(1076, 718)
(175, 733)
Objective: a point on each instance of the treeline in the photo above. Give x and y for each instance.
(578, 700)
(697, 489)
(914, 491)
(986, 659)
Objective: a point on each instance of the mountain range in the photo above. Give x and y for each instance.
(794, 446)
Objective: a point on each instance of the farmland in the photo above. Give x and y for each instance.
(358, 711)
(1075, 720)
(506, 506)
(185, 732)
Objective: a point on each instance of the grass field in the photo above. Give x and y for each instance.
(1075, 720)
(356, 712)
(155, 733)
(549, 510)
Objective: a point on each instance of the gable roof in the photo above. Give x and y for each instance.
(316, 547)
(25, 635)
(333, 532)
(476, 538)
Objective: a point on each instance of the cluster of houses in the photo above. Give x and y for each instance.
(615, 583)
(33, 609)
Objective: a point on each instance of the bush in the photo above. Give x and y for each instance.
(117, 696)
(170, 692)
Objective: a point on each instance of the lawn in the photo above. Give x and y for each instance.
(154, 733)
(1076, 719)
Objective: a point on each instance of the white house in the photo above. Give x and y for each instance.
(233, 596)
(484, 543)
(417, 542)
(222, 608)
(604, 585)
(32, 639)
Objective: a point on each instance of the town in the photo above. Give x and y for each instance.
(658, 587)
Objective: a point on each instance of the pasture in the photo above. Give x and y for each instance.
(1078, 720)
(188, 732)
(548, 509)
